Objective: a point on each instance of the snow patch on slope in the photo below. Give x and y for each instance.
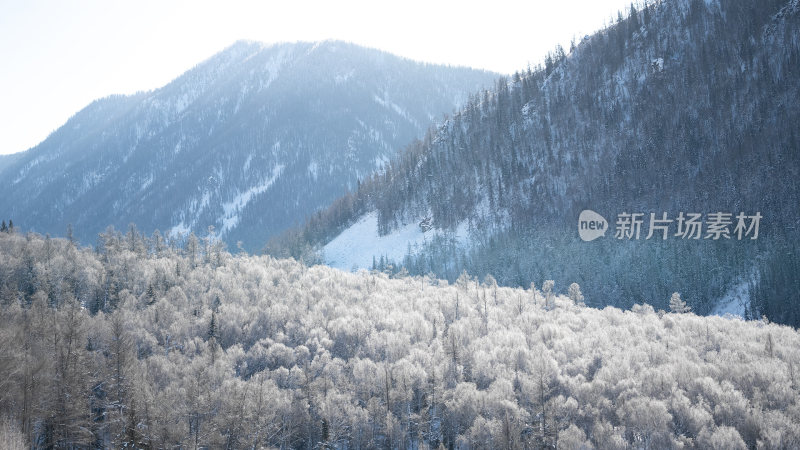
(735, 301)
(313, 170)
(356, 246)
(231, 209)
(273, 68)
(179, 230)
(341, 78)
(386, 103)
(247, 162)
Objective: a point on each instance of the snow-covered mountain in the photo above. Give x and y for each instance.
(250, 141)
(682, 106)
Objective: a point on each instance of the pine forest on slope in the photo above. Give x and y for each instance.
(682, 106)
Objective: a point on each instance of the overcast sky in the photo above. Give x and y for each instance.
(56, 56)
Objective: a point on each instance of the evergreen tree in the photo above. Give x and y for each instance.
(574, 292)
(151, 294)
(159, 246)
(192, 249)
(213, 327)
(547, 290)
(677, 305)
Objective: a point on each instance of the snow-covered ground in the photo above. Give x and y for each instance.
(356, 246)
(735, 301)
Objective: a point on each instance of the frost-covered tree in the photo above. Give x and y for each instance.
(677, 305)
(547, 291)
(192, 249)
(295, 356)
(574, 293)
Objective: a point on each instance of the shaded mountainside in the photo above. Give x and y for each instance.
(7, 160)
(682, 106)
(138, 345)
(250, 141)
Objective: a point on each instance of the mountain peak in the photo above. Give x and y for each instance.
(254, 129)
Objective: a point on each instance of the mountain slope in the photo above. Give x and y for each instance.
(7, 160)
(250, 141)
(684, 106)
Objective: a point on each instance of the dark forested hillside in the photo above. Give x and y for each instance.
(251, 141)
(141, 344)
(682, 106)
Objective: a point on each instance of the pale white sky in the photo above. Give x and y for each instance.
(56, 56)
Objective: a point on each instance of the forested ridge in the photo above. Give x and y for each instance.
(140, 343)
(677, 106)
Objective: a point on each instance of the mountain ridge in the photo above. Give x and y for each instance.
(170, 158)
(681, 106)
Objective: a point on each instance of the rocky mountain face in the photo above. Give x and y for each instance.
(250, 142)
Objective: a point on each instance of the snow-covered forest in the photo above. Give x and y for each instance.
(141, 343)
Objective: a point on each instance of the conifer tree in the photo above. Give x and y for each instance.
(677, 305)
(574, 292)
(213, 329)
(151, 294)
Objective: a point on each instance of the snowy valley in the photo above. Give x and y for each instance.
(318, 245)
